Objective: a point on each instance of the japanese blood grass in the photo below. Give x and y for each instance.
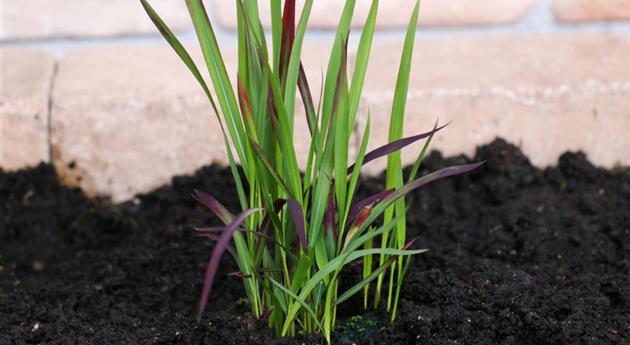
(297, 232)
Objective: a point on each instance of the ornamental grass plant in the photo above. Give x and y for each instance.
(297, 230)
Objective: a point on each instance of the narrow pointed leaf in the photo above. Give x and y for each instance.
(329, 218)
(394, 146)
(357, 287)
(307, 99)
(331, 267)
(361, 60)
(214, 205)
(295, 62)
(425, 149)
(217, 252)
(288, 36)
(269, 165)
(421, 182)
(298, 300)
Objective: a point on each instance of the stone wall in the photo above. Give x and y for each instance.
(89, 86)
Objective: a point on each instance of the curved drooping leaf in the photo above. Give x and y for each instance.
(217, 252)
(214, 205)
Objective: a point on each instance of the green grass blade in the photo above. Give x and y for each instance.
(179, 49)
(220, 79)
(285, 139)
(361, 61)
(340, 131)
(329, 90)
(276, 31)
(295, 61)
(298, 300)
(365, 282)
(423, 153)
(394, 165)
(269, 165)
(334, 265)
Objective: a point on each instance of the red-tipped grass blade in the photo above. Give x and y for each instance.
(362, 216)
(246, 107)
(371, 200)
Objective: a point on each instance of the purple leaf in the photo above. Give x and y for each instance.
(393, 147)
(288, 36)
(298, 220)
(424, 180)
(214, 229)
(214, 205)
(217, 252)
(359, 205)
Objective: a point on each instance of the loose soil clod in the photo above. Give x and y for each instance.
(517, 256)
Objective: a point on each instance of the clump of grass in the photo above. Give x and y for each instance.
(296, 232)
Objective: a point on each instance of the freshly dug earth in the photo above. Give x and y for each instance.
(517, 256)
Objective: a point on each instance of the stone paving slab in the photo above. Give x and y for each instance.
(395, 13)
(124, 120)
(85, 18)
(546, 93)
(591, 10)
(26, 78)
(127, 120)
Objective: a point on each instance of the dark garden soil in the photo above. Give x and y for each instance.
(517, 255)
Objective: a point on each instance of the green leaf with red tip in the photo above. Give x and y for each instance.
(371, 200)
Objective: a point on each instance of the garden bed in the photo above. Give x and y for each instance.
(517, 255)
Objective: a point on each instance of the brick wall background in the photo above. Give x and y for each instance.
(89, 85)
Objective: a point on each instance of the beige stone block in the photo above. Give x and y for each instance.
(79, 18)
(126, 120)
(591, 10)
(26, 78)
(395, 13)
(547, 94)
